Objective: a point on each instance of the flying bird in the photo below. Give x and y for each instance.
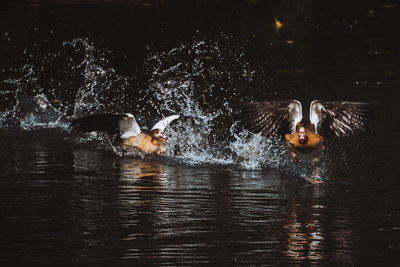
(126, 126)
(305, 139)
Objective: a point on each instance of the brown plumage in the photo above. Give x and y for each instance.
(310, 150)
(148, 143)
(305, 141)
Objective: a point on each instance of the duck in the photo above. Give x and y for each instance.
(124, 124)
(305, 139)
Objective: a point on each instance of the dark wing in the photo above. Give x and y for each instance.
(124, 124)
(340, 118)
(269, 117)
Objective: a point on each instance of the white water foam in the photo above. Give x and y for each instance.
(194, 80)
(30, 111)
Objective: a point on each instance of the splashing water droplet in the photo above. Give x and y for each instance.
(195, 80)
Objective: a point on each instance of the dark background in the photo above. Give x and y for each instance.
(68, 201)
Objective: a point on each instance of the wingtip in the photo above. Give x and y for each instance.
(165, 122)
(175, 116)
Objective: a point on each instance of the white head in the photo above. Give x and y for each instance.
(159, 134)
(303, 139)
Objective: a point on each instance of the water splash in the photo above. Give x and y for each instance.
(86, 98)
(195, 80)
(254, 151)
(32, 108)
(183, 81)
(55, 85)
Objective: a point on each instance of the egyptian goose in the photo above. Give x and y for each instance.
(125, 124)
(305, 140)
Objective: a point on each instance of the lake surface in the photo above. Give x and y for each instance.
(220, 195)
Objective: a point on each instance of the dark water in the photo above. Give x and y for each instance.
(220, 195)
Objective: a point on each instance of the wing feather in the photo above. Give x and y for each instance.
(124, 124)
(340, 118)
(162, 124)
(269, 117)
(102, 122)
(128, 126)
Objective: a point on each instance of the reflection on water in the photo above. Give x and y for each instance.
(306, 237)
(142, 209)
(132, 169)
(99, 207)
(319, 230)
(167, 210)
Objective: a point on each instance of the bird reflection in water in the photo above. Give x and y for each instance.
(135, 168)
(142, 184)
(132, 196)
(304, 232)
